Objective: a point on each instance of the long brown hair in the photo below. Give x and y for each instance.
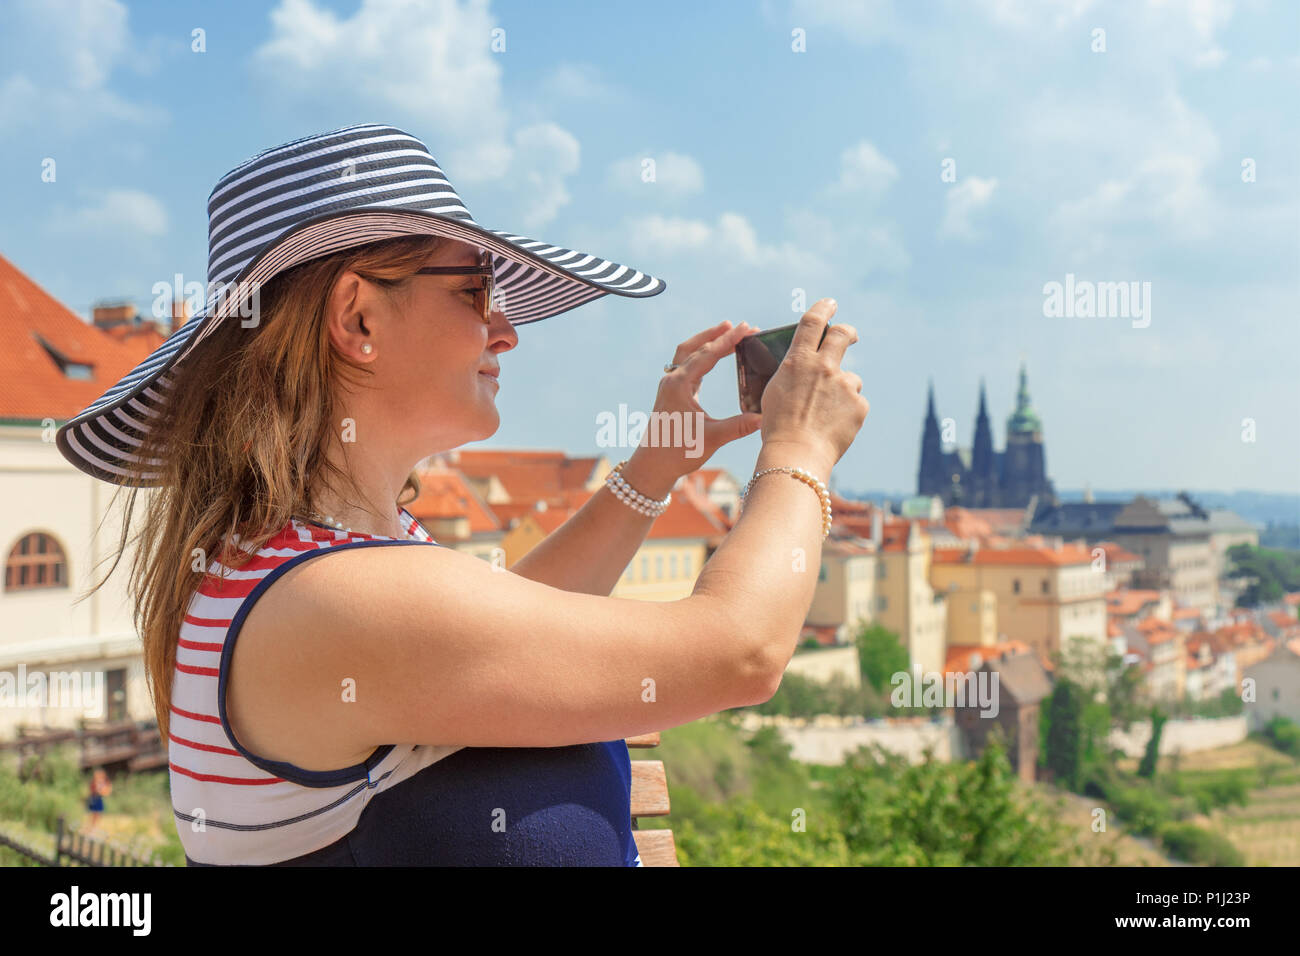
(241, 448)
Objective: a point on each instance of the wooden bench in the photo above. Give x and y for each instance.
(650, 799)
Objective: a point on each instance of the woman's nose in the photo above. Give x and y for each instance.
(500, 329)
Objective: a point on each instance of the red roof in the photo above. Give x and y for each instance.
(1115, 554)
(685, 518)
(33, 324)
(959, 656)
(1156, 630)
(695, 487)
(1125, 602)
(1283, 619)
(1015, 556)
(526, 474)
(444, 493)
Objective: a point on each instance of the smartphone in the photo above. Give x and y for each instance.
(757, 359)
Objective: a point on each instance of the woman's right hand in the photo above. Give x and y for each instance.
(811, 405)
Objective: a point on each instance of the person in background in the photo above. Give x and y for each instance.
(100, 787)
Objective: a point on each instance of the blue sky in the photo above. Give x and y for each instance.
(777, 170)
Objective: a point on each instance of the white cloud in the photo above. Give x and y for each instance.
(426, 59)
(864, 170)
(1163, 188)
(576, 81)
(56, 60)
(816, 249)
(1034, 13)
(547, 155)
(961, 203)
(426, 66)
(675, 174)
(731, 236)
(1209, 58)
(867, 23)
(116, 212)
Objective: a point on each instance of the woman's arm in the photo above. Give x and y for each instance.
(589, 552)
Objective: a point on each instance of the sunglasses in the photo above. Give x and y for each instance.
(482, 294)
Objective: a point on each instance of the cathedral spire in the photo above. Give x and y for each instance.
(1024, 419)
(930, 478)
(983, 464)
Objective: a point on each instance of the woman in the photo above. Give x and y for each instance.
(402, 702)
(100, 787)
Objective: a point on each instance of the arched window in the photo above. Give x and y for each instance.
(36, 561)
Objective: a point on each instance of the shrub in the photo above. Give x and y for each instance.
(1186, 841)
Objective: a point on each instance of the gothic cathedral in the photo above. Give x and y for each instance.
(979, 477)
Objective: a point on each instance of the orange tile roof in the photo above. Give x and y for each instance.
(551, 518)
(824, 633)
(849, 506)
(958, 658)
(684, 518)
(1125, 602)
(1116, 554)
(690, 488)
(1157, 631)
(1283, 619)
(141, 340)
(446, 494)
(1016, 556)
(32, 385)
(526, 474)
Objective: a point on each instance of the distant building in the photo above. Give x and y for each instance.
(1277, 685)
(1045, 595)
(981, 477)
(844, 599)
(1023, 684)
(59, 530)
(1180, 542)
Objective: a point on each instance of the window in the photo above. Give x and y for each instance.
(1015, 586)
(115, 685)
(882, 602)
(821, 573)
(36, 561)
(880, 570)
(1046, 587)
(659, 567)
(645, 567)
(672, 565)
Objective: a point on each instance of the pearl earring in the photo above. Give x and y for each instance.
(367, 348)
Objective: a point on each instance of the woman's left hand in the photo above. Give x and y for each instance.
(682, 448)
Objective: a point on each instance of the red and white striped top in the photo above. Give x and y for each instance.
(231, 805)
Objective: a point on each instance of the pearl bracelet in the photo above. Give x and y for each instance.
(633, 498)
(808, 478)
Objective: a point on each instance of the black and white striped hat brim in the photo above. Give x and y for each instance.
(309, 198)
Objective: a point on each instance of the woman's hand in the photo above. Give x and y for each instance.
(682, 446)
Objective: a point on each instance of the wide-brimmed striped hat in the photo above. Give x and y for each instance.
(310, 198)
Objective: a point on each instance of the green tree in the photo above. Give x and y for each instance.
(934, 813)
(1275, 573)
(1147, 768)
(1064, 743)
(881, 655)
